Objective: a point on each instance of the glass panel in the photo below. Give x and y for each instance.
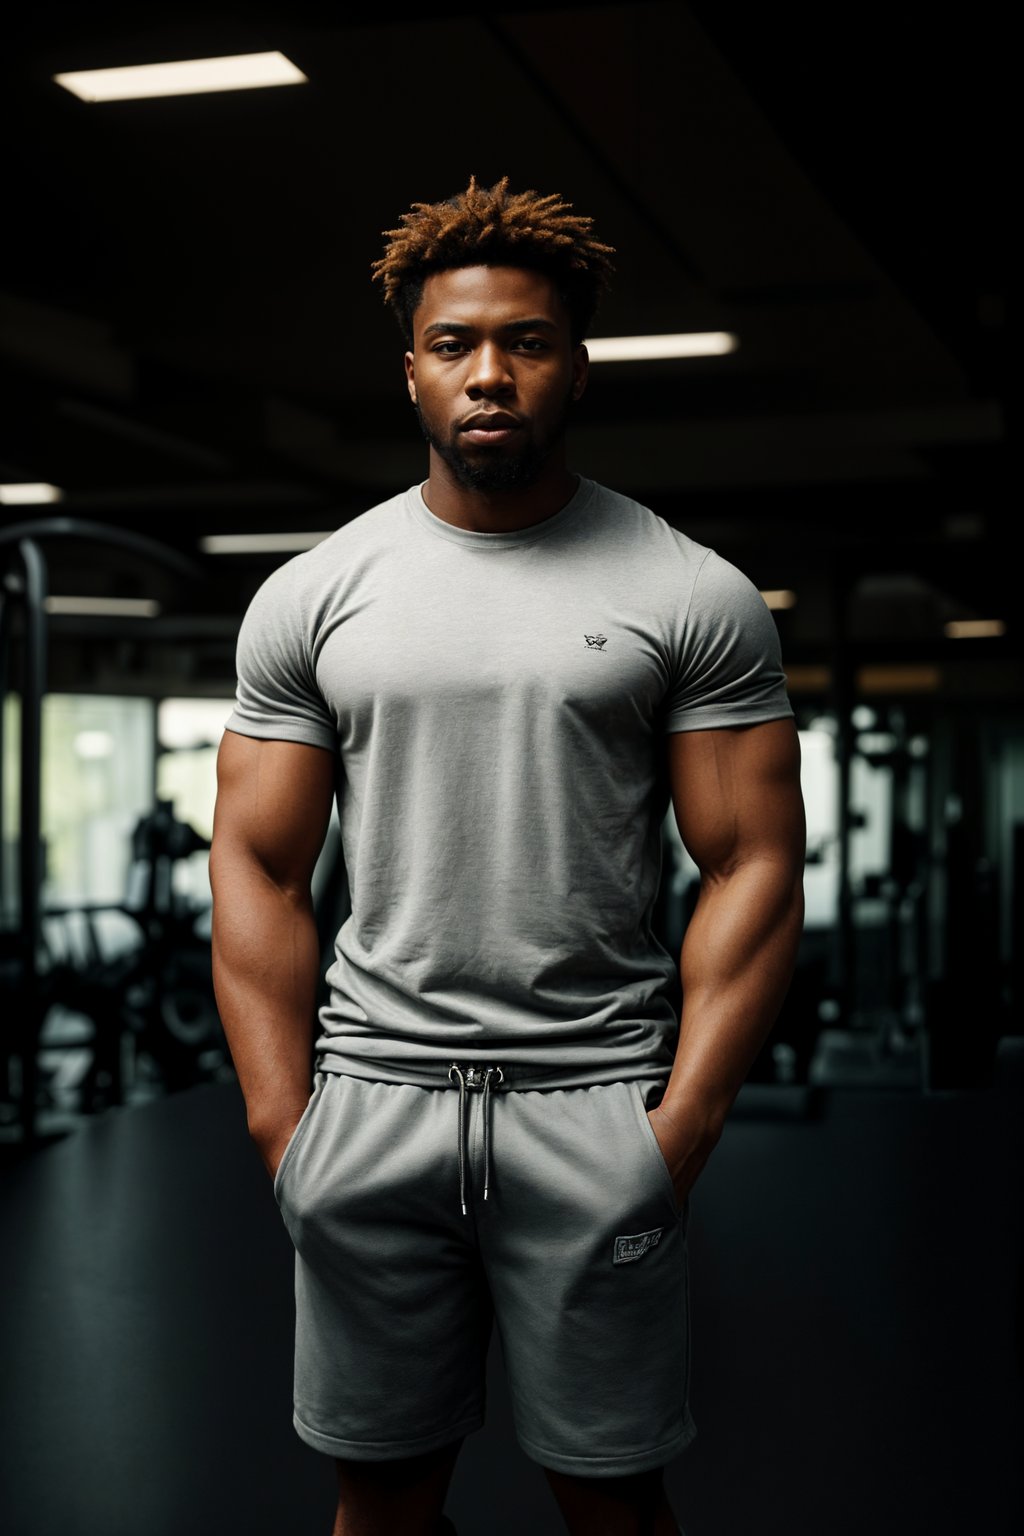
(819, 781)
(97, 782)
(9, 810)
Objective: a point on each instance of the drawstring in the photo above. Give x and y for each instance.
(473, 1077)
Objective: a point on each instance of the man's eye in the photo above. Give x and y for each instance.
(532, 343)
(448, 348)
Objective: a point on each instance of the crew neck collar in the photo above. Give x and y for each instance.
(470, 539)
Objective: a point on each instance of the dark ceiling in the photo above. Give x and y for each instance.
(190, 344)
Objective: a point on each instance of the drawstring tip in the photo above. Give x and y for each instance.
(463, 1210)
(485, 1191)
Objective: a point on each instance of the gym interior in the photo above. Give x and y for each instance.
(198, 382)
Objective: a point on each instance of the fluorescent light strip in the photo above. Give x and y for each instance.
(184, 77)
(108, 607)
(629, 349)
(29, 493)
(779, 598)
(884, 679)
(973, 629)
(260, 543)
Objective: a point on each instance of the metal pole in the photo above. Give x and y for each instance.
(30, 847)
(103, 533)
(843, 699)
(4, 610)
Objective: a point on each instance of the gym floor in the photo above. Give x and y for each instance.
(858, 1344)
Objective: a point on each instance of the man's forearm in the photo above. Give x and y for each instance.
(266, 965)
(736, 964)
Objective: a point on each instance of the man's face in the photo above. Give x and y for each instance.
(494, 374)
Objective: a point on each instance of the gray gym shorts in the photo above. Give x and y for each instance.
(579, 1250)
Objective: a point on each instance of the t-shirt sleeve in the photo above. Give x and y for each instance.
(728, 663)
(277, 698)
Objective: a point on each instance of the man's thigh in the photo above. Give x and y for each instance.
(393, 1315)
(585, 1249)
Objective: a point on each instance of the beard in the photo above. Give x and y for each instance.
(502, 472)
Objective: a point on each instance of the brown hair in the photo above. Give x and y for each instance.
(495, 227)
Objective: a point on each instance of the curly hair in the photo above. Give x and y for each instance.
(495, 227)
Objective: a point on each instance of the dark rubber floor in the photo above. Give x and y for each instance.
(857, 1311)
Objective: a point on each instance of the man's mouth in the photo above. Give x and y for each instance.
(490, 427)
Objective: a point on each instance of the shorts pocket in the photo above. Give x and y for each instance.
(636, 1094)
(299, 1132)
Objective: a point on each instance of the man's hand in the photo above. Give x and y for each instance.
(686, 1144)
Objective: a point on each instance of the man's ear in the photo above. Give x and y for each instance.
(410, 375)
(580, 370)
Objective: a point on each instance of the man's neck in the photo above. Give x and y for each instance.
(497, 511)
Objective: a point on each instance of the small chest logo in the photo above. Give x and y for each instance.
(629, 1248)
(596, 642)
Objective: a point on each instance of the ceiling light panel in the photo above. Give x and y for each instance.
(631, 349)
(29, 493)
(974, 629)
(184, 77)
(259, 543)
(104, 607)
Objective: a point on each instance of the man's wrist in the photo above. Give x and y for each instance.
(271, 1135)
(702, 1116)
(268, 1122)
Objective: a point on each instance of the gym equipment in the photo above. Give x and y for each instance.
(26, 985)
(157, 995)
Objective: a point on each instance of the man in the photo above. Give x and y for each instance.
(502, 676)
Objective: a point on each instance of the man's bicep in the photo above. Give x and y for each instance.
(273, 803)
(736, 793)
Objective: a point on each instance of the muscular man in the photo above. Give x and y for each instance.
(501, 676)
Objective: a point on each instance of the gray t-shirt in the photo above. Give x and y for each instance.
(498, 703)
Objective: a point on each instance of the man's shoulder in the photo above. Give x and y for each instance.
(300, 594)
(362, 528)
(643, 529)
(359, 533)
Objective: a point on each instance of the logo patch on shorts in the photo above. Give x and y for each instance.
(629, 1248)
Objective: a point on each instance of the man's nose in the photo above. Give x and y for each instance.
(490, 373)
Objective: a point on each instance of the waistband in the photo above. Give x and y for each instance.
(483, 1077)
(515, 1075)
